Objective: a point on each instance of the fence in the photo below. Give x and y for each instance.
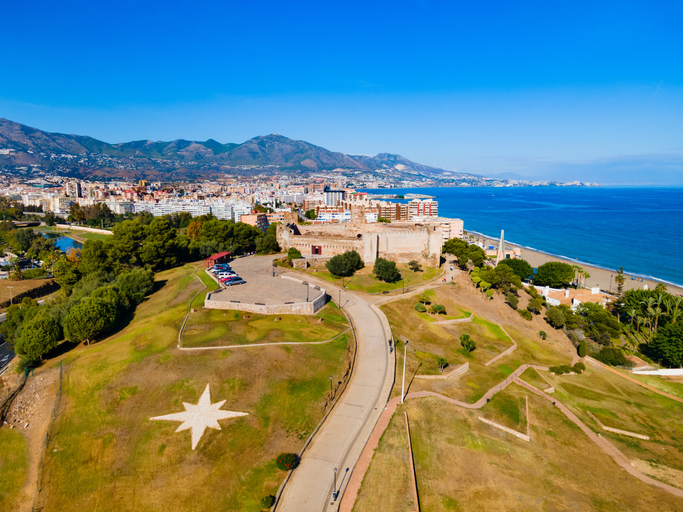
(46, 442)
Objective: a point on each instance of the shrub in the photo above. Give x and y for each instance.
(489, 293)
(438, 309)
(414, 266)
(268, 501)
(526, 315)
(419, 307)
(293, 254)
(580, 366)
(512, 300)
(535, 305)
(287, 461)
(467, 342)
(583, 348)
(612, 356)
(35, 273)
(542, 334)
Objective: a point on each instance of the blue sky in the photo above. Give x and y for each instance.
(481, 87)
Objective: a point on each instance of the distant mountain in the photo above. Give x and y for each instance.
(56, 152)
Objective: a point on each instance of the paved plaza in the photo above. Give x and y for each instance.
(261, 287)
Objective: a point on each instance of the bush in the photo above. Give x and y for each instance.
(526, 315)
(580, 366)
(535, 305)
(414, 266)
(612, 356)
(512, 300)
(555, 317)
(385, 270)
(268, 501)
(542, 334)
(287, 461)
(35, 273)
(437, 309)
(293, 254)
(583, 348)
(467, 342)
(419, 307)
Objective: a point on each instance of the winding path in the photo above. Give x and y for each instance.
(345, 432)
(349, 498)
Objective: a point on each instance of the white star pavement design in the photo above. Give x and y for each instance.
(199, 417)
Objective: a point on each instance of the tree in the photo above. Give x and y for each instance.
(88, 319)
(345, 264)
(66, 274)
(535, 305)
(555, 317)
(414, 266)
(39, 335)
(512, 300)
(437, 309)
(620, 279)
(267, 244)
(442, 362)
(667, 345)
(310, 214)
(543, 334)
(385, 270)
(520, 267)
(554, 274)
(384, 220)
(194, 230)
(467, 343)
(424, 299)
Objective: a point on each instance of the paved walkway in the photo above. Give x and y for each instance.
(340, 440)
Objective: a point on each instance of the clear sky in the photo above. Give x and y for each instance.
(482, 87)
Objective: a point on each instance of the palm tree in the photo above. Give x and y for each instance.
(577, 272)
(586, 276)
(632, 313)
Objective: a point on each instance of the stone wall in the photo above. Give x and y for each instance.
(83, 228)
(293, 308)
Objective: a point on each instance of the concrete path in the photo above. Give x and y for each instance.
(341, 438)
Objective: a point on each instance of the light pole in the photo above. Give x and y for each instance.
(403, 281)
(330, 388)
(340, 304)
(10, 293)
(306, 283)
(403, 384)
(334, 493)
(610, 283)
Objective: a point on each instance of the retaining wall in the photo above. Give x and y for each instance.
(663, 371)
(83, 228)
(294, 308)
(456, 371)
(506, 429)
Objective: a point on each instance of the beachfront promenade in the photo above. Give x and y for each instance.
(343, 435)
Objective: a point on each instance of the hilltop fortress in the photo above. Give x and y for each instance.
(397, 241)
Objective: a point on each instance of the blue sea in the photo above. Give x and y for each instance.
(640, 229)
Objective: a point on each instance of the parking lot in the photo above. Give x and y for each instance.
(261, 287)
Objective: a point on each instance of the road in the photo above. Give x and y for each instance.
(340, 440)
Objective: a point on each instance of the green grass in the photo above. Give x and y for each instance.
(109, 456)
(216, 327)
(662, 383)
(13, 466)
(365, 281)
(533, 377)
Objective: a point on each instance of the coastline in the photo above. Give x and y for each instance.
(599, 276)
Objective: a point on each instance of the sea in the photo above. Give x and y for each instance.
(640, 229)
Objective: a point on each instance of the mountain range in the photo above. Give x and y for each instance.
(84, 157)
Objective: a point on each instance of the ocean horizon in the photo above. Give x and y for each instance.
(637, 228)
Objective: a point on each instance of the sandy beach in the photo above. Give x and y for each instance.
(600, 277)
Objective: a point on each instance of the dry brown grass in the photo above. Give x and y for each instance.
(464, 465)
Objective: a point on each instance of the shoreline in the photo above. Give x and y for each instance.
(599, 276)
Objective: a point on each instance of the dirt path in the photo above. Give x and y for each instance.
(351, 494)
(30, 414)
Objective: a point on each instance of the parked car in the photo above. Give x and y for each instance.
(239, 280)
(220, 275)
(228, 278)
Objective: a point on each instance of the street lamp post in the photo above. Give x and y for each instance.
(403, 281)
(340, 304)
(610, 282)
(10, 294)
(334, 493)
(403, 384)
(306, 283)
